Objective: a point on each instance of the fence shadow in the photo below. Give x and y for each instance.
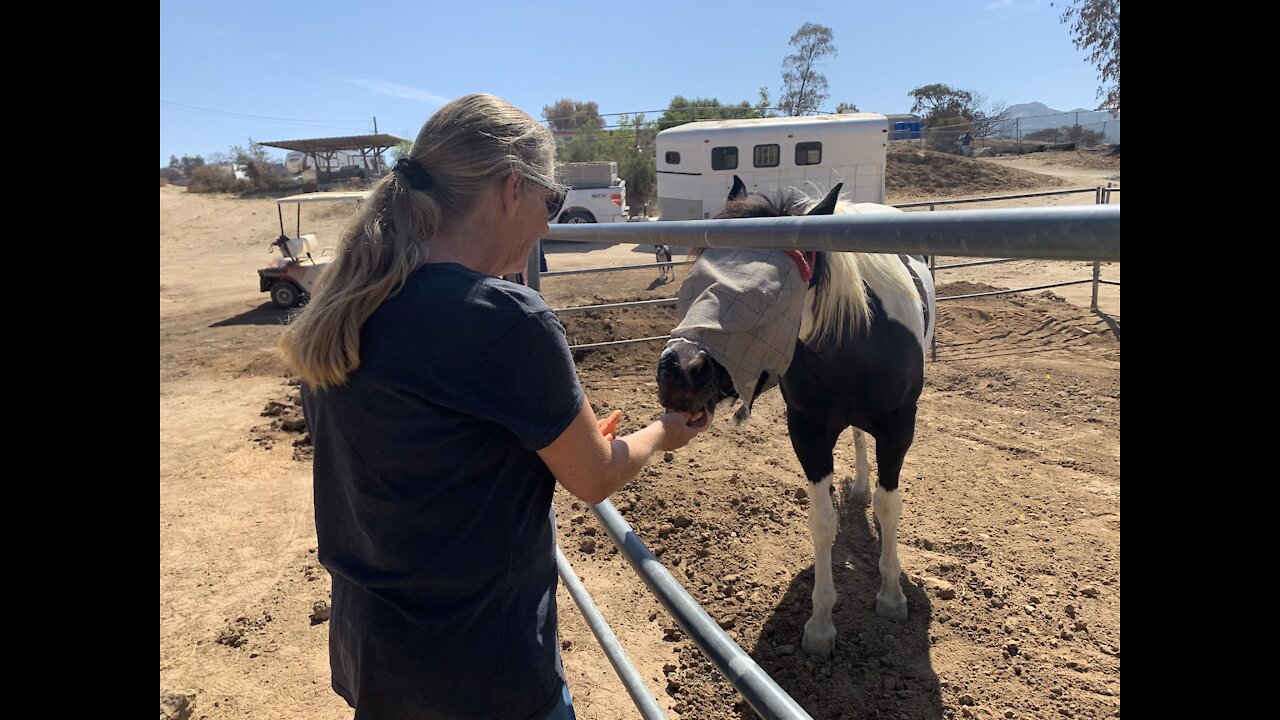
(1110, 321)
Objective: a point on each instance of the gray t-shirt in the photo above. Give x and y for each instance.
(433, 512)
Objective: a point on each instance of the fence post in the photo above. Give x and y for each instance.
(933, 341)
(1093, 305)
(533, 274)
(1097, 266)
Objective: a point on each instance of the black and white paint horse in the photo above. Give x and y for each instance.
(858, 362)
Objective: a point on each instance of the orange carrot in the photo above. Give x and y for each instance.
(609, 426)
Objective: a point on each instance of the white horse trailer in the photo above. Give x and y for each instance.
(697, 160)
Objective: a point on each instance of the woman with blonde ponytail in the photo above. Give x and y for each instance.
(443, 406)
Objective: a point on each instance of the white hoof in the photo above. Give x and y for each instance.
(819, 642)
(891, 608)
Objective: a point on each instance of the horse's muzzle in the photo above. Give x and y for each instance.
(688, 378)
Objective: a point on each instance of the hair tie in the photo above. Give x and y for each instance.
(418, 177)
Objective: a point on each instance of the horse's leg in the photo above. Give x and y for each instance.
(813, 444)
(859, 491)
(892, 444)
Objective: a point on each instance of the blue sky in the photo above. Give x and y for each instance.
(231, 70)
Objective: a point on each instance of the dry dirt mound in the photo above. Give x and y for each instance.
(913, 172)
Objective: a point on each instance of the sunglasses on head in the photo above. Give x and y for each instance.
(555, 198)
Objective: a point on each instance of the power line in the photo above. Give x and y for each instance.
(226, 113)
(720, 108)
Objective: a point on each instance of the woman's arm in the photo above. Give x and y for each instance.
(592, 468)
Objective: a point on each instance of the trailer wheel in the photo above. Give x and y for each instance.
(285, 295)
(577, 217)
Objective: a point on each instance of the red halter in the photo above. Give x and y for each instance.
(804, 261)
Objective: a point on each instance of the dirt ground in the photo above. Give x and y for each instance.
(1010, 536)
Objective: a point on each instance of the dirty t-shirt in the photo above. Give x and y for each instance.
(433, 512)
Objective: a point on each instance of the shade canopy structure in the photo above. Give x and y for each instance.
(322, 150)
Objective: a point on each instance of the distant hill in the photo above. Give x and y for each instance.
(1038, 116)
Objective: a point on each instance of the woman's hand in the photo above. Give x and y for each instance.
(609, 425)
(679, 428)
(591, 466)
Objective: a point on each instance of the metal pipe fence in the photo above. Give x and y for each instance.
(1041, 233)
(612, 268)
(632, 303)
(993, 198)
(1016, 290)
(973, 264)
(750, 680)
(635, 685)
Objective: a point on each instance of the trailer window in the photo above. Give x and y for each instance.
(724, 158)
(673, 158)
(767, 155)
(809, 153)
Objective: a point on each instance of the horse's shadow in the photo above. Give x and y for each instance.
(659, 282)
(880, 668)
(265, 314)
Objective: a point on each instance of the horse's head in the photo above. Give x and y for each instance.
(786, 202)
(701, 365)
(690, 380)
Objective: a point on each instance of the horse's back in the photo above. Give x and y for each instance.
(864, 208)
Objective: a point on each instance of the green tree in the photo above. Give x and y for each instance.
(186, 164)
(846, 107)
(632, 149)
(957, 110)
(582, 147)
(1095, 27)
(256, 164)
(682, 110)
(629, 144)
(567, 114)
(762, 108)
(938, 101)
(400, 150)
(803, 87)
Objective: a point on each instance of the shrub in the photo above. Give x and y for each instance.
(207, 179)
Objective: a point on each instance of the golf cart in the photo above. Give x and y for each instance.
(290, 277)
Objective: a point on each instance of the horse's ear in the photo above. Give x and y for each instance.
(828, 204)
(739, 189)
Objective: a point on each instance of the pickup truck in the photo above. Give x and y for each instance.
(596, 193)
